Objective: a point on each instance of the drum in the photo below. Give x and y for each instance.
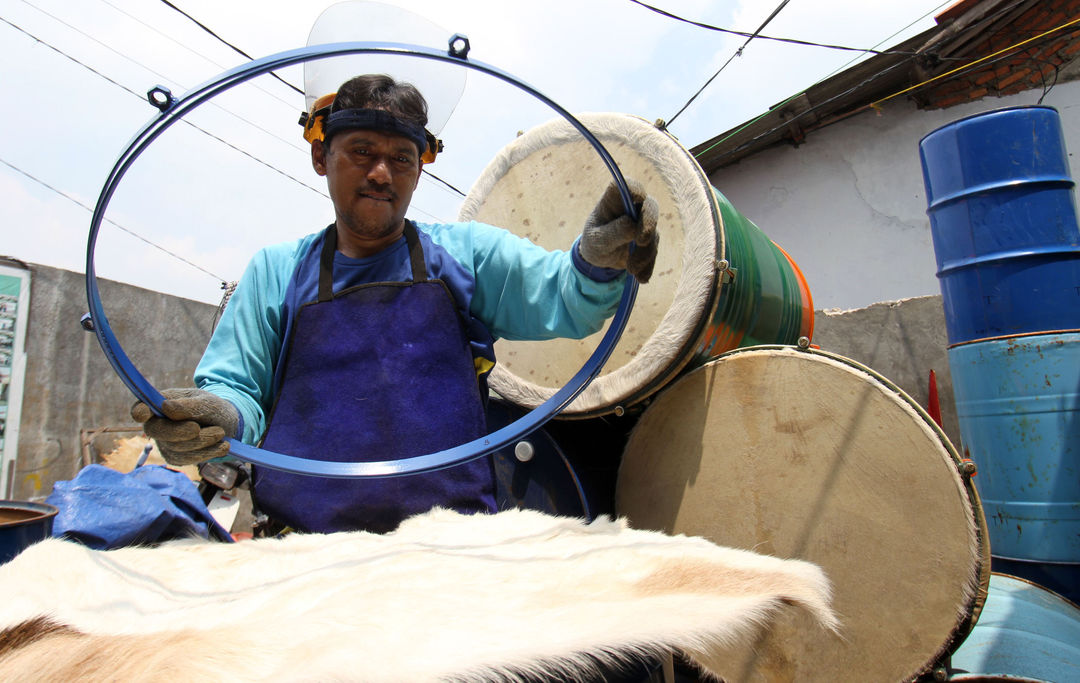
(1025, 633)
(534, 473)
(1018, 403)
(805, 454)
(1003, 219)
(719, 282)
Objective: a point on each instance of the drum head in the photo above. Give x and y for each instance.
(543, 186)
(803, 454)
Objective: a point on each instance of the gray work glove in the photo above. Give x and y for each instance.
(609, 233)
(194, 426)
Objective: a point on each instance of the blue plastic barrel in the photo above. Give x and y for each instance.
(1018, 404)
(1024, 632)
(1003, 222)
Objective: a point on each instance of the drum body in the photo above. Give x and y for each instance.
(807, 455)
(1025, 632)
(1003, 220)
(1018, 403)
(534, 473)
(718, 282)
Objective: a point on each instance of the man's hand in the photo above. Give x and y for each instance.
(194, 426)
(609, 232)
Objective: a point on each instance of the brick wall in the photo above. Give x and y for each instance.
(1034, 66)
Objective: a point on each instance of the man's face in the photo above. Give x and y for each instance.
(371, 176)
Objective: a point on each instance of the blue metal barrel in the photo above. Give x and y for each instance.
(1003, 221)
(1018, 404)
(1024, 632)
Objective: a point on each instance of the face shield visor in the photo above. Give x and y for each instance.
(441, 84)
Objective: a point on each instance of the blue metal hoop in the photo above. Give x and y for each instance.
(172, 110)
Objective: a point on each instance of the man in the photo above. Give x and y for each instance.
(373, 339)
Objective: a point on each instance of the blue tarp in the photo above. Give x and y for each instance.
(105, 509)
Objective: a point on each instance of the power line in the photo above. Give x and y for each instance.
(206, 28)
(897, 32)
(130, 232)
(196, 127)
(982, 62)
(1071, 22)
(141, 97)
(821, 80)
(793, 41)
(738, 53)
(199, 128)
(161, 75)
(290, 105)
(245, 54)
(810, 110)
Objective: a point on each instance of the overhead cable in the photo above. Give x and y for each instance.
(997, 57)
(802, 92)
(877, 103)
(238, 50)
(245, 54)
(181, 45)
(757, 35)
(738, 53)
(143, 98)
(161, 75)
(91, 210)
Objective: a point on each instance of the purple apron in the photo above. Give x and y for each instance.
(379, 371)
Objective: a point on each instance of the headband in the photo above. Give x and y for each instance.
(375, 119)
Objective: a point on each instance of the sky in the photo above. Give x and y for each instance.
(235, 174)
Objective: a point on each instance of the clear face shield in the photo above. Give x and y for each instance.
(441, 84)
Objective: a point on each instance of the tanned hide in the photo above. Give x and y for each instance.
(445, 597)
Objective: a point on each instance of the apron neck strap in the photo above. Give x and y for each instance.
(326, 259)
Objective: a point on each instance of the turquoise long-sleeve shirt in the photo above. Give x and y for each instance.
(504, 287)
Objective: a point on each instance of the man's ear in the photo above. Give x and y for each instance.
(318, 156)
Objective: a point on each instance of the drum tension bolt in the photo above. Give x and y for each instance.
(524, 451)
(803, 343)
(727, 273)
(968, 468)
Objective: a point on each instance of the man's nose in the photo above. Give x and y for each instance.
(379, 171)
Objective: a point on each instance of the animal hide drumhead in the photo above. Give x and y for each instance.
(804, 454)
(445, 597)
(543, 186)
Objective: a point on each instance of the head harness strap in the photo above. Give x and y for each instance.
(322, 124)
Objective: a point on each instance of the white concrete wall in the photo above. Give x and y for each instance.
(849, 204)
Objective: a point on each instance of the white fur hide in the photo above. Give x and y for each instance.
(445, 597)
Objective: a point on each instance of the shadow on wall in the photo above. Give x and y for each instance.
(903, 341)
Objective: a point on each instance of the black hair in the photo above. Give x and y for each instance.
(379, 91)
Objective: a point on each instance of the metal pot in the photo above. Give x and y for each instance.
(21, 524)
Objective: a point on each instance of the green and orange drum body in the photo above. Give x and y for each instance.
(719, 282)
